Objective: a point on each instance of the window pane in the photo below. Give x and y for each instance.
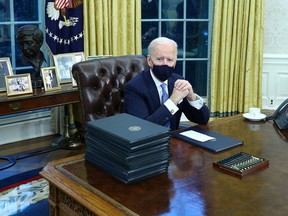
(170, 9)
(197, 9)
(5, 38)
(149, 9)
(149, 32)
(197, 40)
(26, 10)
(196, 74)
(5, 34)
(168, 29)
(4, 12)
(179, 68)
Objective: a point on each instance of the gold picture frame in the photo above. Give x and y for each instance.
(74, 83)
(18, 84)
(50, 79)
(5, 70)
(79, 56)
(89, 58)
(64, 63)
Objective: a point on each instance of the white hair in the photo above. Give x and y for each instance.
(161, 40)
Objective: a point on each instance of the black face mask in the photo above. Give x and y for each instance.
(162, 72)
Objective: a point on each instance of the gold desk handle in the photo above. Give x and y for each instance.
(14, 106)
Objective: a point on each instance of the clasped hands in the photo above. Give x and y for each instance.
(182, 89)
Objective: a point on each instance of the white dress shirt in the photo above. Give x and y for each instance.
(198, 103)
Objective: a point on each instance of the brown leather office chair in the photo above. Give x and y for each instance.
(101, 84)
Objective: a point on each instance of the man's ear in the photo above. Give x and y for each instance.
(149, 61)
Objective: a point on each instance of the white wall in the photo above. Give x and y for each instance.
(275, 61)
(25, 126)
(276, 27)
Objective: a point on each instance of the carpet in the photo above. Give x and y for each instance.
(8, 180)
(25, 198)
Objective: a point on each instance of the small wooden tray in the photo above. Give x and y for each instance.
(241, 164)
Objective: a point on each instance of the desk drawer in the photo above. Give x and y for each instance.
(33, 102)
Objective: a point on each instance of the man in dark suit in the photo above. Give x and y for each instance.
(143, 94)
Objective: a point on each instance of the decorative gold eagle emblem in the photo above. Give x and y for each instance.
(54, 9)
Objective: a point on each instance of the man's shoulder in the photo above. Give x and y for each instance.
(139, 78)
(176, 76)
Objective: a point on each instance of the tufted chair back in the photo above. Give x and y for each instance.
(101, 84)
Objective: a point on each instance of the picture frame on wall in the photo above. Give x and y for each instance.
(64, 63)
(18, 84)
(5, 70)
(50, 79)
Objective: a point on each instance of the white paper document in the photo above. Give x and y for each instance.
(197, 136)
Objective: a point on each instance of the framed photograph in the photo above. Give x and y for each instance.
(5, 70)
(79, 56)
(18, 84)
(50, 79)
(63, 65)
(74, 83)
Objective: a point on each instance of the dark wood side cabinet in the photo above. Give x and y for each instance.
(38, 100)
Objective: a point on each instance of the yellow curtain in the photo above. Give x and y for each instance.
(112, 27)
(237, 55)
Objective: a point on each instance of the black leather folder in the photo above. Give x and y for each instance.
(127, 175)
(159, 149)
(127, 147)
(127, 130)
(218, 144)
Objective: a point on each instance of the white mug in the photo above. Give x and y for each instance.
(254, 111)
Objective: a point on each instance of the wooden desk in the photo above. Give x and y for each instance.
(38, 100)
(191, 186)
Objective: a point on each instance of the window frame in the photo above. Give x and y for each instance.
(11, 25)
(183, 58)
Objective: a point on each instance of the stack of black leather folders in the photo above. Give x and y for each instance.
(127, 147)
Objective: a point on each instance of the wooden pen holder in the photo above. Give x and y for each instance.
(241, 164)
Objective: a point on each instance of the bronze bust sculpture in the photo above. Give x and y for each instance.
(30, 39)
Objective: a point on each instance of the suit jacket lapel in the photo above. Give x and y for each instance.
(152, 89)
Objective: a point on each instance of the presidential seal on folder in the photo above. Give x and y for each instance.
(127, 147)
